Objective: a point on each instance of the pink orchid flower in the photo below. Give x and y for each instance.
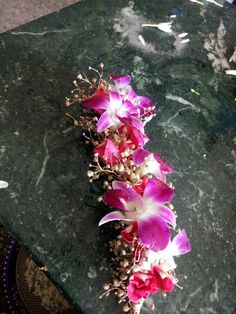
(165, 258)
(143, 104)
(151, 163)
(148, 210)
(121, 81)
(114, 110)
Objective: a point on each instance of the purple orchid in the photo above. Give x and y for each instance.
(114, 111)
(151, 163)
(121, 81)
(120, 105)
(149, 211)
(143, 104)
(178, 246)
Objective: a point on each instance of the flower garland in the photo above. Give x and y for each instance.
(114, 117)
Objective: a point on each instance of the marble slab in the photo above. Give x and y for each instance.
(50, 207)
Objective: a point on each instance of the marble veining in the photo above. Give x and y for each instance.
(45, 161)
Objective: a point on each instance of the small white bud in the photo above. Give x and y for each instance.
(89, 173)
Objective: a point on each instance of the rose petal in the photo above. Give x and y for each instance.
(154, 233)
(165, 284)
(180, 244)
(104, 122)
(157, 191)
(140, 286)
(3, 184)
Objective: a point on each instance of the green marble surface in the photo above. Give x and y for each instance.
(49, 205)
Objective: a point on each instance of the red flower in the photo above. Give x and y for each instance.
(140, 286)
(108, 152)
(132, 138)
(98, 101)
(165, 284)
(140, 186)
(130, 232)
(143, 284)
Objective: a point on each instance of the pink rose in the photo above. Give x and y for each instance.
(143, 284)
(140, 286)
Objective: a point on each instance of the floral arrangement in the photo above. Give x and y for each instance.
(135, 184)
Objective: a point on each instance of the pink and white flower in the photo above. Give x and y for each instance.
(151, 163)
(119, 106)
(148, 210)
(165, 258)
(143, 104)
(121, 81)
(114, 111)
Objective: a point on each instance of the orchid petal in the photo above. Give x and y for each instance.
(116, 215)
(128, 108)
(121, 81)
(167, 264)
(154, 233)
(113, 199)
(163, 165)
(167, 215)
(124, 198)
(104, 122)
(180, 244)
(157, 191)
(98, 101)
(131, 95)
(140, 155)
(137, 123)
(119, 185)
(144, 101)
(115, 100)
